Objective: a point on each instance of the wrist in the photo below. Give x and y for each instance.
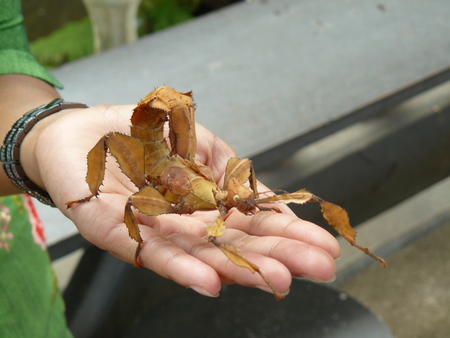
(18, 152)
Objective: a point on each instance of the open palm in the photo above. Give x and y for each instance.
(175, 246)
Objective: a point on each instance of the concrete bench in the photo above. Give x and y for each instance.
(267, 72)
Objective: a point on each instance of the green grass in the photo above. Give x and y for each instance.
(73, 41)
(160, 14)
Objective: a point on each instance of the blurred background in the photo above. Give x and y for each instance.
(62, 31)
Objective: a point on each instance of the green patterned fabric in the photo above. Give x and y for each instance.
(30, 302)
(15, 56)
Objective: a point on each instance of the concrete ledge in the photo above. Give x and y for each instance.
(397, 227)
(372, 165)
(265, 72)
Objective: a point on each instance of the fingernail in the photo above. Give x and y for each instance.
(331, 280)
(315, 279)
(269, 290)
(202, 291)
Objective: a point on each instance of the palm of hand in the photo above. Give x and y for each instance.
(174, 245)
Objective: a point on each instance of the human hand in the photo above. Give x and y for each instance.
(174, 246)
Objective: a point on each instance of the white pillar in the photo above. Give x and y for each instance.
(114, 22)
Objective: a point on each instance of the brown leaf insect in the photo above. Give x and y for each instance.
(169, 179)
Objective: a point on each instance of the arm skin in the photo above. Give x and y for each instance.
(19, 94)
(282, 245)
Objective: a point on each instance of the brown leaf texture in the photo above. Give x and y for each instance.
(337, 217)
(216, 230)
(299, 197)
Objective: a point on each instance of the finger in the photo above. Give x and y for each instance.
(164, 257)
(169, 260)
(301, 259)
(101, 222)
(275, 272)
(194, 224)
(267, 223)
(213, 152)
(186, 232)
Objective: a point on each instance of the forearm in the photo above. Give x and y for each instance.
(19, 94)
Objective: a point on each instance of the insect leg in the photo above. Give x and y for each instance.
(150, 202)
(96, 160)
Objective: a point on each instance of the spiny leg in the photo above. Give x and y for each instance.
(96, 160)
(133, 230)
(129, 153)
(335, 215)
(150, 202)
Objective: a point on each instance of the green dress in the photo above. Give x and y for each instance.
(30, 302)
(15, 56)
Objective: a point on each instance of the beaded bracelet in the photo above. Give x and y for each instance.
(10, 151)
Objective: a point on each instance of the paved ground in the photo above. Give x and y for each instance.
(411, 296)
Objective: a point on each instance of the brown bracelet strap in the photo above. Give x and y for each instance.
(10, 151)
